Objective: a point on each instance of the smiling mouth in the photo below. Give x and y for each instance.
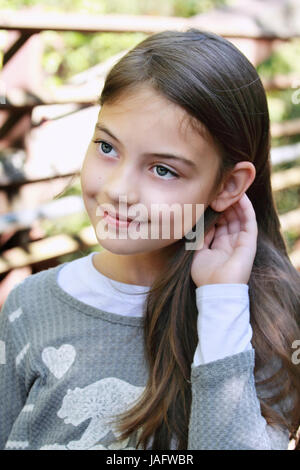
(122, 218)
(116, 221)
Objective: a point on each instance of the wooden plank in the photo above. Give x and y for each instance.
(290, 220)
(12, 120)
(86, 23)
(9, 106)
(9, 103)
(295, 259)
(88, 237)
(24, 36)
(53, 210)
(37, 251)
(281, 82)
(286, 128)
(35, 22)
(49, 248)
(285, 179)
(285, 153)
(15, 182)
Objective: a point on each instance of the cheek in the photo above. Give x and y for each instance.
(90, 180)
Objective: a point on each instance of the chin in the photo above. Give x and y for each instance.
(134, 247)
(123, 247)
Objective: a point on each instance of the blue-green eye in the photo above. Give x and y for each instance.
(165, 171)
(106, 148)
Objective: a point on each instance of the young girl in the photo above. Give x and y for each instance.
(148, 344)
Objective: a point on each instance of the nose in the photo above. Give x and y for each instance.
(122, 182)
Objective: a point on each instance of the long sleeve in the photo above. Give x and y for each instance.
(225, 411)
(223, 321)
(12, 387)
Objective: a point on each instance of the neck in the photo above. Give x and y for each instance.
(138, 269)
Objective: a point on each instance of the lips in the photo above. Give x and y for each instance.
(113, 221)
(107, 210)
(117, 216)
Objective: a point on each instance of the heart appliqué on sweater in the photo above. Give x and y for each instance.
(59, 360)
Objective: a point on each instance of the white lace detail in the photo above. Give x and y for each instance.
(100, 402)
(16, 444)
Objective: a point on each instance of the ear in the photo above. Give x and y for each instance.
(235, 185)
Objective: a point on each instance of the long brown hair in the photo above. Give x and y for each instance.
(220, 90)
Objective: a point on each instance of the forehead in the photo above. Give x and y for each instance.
(144, 102)
(154, 120)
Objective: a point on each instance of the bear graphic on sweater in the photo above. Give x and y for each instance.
(99, 402)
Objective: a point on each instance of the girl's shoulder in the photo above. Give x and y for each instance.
(32, 291)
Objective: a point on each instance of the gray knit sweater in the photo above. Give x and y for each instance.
(66, 368)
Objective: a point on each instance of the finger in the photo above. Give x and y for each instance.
(233, 220)
(247, 214)
(221, 226)
(209, 236)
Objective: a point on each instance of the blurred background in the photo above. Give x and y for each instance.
(54, 56)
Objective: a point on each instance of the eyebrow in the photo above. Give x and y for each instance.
(163, 155)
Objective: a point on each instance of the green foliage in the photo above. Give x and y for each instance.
(291, 238)
(70, 53)
(287, 199)
(73, 188)
(286, 165)
(283, 104)
(67, 54)
(68, 225)
(284, 60)
(184, 8)
(189, 8)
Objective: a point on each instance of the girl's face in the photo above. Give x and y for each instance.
(128, 162)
